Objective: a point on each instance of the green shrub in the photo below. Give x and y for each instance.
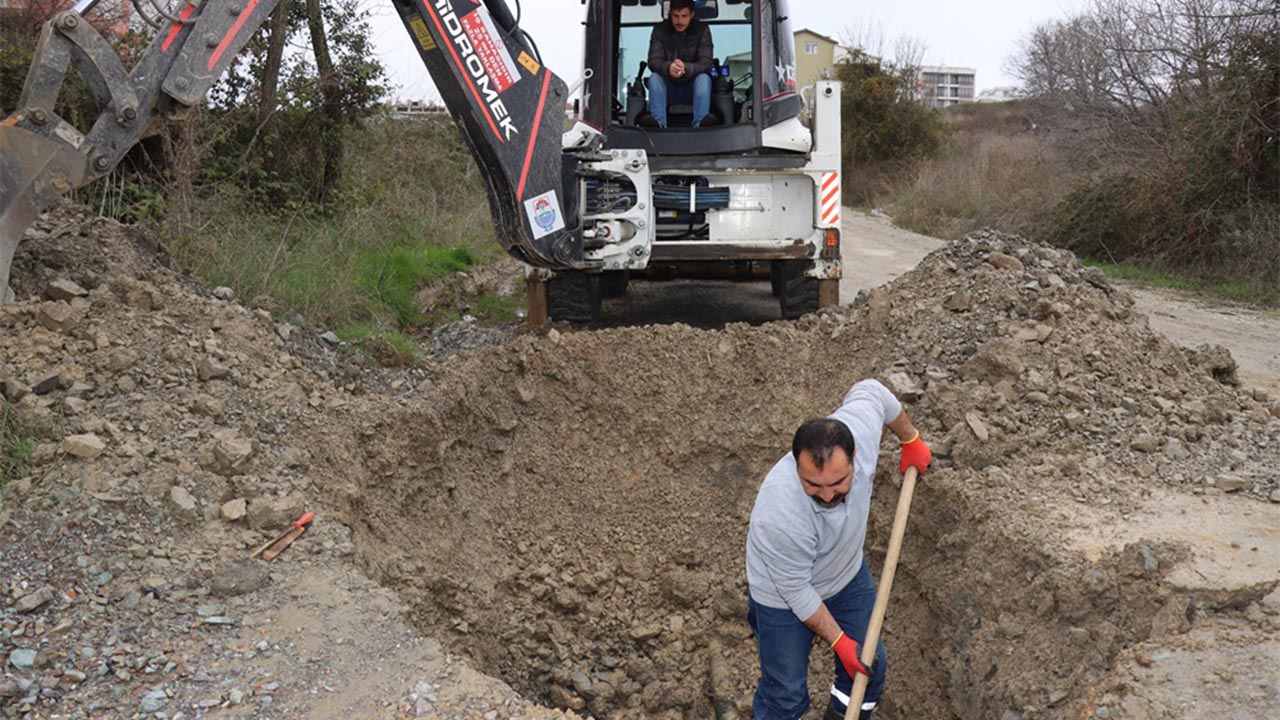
(1176, 143)
(883, 128)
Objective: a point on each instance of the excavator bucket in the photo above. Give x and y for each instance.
(34, 171)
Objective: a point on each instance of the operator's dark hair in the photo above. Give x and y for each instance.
(820, 437)
(680, 5)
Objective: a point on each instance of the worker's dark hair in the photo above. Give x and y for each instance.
(820, 437)
(680, 5)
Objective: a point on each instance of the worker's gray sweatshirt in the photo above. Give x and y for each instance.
(799, 553)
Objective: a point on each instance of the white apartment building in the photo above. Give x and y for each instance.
(940, 86)
(1002, 93)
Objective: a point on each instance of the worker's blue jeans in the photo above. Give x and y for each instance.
(784, 643)
(664, 90)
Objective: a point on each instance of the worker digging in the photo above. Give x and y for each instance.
(1047, 570)
(805, 566)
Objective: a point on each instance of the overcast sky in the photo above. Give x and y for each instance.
(978, 35)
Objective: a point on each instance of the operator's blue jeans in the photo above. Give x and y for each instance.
(784, 643)
(663, 90)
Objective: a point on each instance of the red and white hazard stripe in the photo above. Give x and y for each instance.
(830, 198)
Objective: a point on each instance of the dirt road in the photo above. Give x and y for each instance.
(1252, 335)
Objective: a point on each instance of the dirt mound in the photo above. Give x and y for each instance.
(175, 430)
(569, 511)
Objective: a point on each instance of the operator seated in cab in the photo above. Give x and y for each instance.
(680, 53)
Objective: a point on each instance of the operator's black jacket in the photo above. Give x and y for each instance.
(693, 46)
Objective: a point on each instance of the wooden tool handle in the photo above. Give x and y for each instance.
(882, 593)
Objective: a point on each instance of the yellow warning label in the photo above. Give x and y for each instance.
(529, 63)
(425, 41)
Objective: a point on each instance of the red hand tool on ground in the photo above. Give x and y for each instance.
(276, 545)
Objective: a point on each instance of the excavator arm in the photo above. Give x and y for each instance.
(508, 106)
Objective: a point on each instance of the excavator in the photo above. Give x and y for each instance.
(753, 190)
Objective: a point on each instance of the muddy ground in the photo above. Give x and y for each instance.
(566, 511)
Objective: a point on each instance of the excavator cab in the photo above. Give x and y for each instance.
(753, 77)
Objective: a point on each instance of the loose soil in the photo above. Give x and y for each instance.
(567, 511)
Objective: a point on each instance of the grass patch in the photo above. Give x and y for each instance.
(495, 308)
(411, 209)
(16, 447)
(386, 347)
(1153, 276)
(390, 277)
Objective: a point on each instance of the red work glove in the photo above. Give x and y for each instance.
(847, 651)
(915, 454)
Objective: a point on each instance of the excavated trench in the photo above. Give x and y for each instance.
(623, 594)
(570, 511)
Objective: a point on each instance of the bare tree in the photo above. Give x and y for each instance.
(1174, 108)
(869, 36)
(331, 102)
(1131, 67)
(279, 33)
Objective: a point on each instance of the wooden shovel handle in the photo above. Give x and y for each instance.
(882, 593)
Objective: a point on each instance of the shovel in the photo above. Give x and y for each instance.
(882, 594)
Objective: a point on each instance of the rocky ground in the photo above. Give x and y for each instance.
(566, 511)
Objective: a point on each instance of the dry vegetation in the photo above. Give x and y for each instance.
(996, 171)
(405, 213)
(1152, 137)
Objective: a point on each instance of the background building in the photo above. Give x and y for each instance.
(942, 86)
(402, 108)
(1003, 93)
(816, 57)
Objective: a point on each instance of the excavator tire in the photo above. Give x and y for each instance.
(574, 297)
(799, 293)
(613, 283)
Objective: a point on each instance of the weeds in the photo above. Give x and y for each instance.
(390, 348)
(495, 308)
(412, 208)
(1151, 276)
(16, 447)
(999, 170)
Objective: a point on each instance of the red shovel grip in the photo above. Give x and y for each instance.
(304, 520)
